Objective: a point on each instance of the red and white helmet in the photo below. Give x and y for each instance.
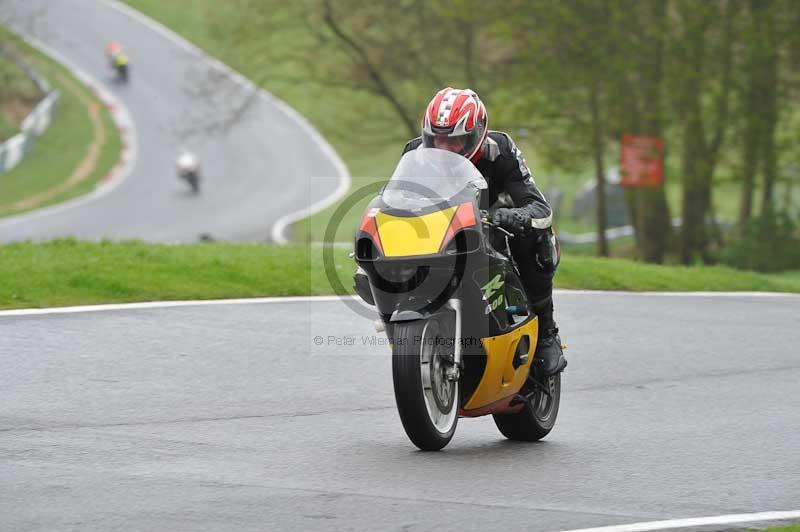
(456, 120)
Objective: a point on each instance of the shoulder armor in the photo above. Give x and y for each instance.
(503, 143)
(492, 149)
(509, 149)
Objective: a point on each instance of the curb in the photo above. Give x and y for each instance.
(126, 128)
(79, 309)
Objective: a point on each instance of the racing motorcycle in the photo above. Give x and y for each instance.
(449, 296)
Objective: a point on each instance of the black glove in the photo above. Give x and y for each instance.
(515, 220)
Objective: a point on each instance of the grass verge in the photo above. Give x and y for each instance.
(72, 272)
(43, 177)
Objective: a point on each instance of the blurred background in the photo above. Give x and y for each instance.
(716, 80)
(707, 92)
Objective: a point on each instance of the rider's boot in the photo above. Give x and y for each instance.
(549, 358)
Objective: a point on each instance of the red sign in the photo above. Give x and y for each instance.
(641, 161)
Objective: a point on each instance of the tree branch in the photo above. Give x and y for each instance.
(380, 84)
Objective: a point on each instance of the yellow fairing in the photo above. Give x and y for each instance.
(500, 379)
(403, 236)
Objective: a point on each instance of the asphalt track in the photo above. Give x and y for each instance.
(230, 417)
(259, 163)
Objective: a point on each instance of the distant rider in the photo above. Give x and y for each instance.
(118, 59)
(456, 120)
(189, 169)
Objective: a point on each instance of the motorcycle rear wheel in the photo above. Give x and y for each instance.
(536, 419)
(426, 401)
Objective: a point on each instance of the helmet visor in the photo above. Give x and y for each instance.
(465, 144)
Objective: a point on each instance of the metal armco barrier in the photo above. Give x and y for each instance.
(13, 150)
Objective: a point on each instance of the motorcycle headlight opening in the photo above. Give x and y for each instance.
(367, 250)
(400, 273)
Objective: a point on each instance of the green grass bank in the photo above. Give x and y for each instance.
(71, 272)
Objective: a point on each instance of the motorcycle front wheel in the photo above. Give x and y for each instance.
(427, 401)
(537, 419)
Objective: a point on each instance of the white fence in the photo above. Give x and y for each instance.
(13, 150)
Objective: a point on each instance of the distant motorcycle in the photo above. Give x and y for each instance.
(189, 170)
(448, 293)
(119, 61)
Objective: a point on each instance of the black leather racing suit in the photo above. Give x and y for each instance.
(511, 185)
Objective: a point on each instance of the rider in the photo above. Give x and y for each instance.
(116, 55)
(456, 120)
(188, 168)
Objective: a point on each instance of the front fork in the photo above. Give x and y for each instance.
(454, 372)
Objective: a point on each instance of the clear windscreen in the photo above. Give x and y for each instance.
(429, 176)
